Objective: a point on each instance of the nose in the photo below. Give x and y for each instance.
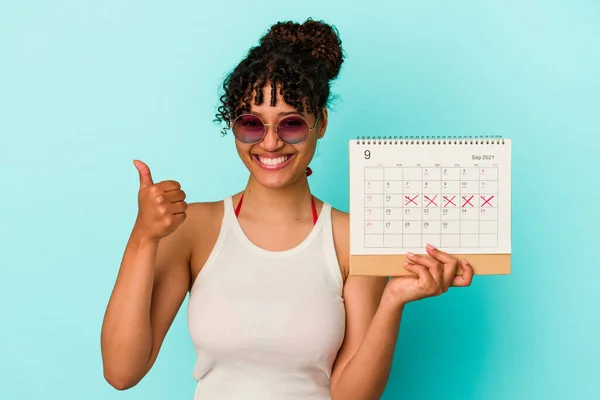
(271, 141)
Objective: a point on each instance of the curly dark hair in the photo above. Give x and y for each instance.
(299, 59)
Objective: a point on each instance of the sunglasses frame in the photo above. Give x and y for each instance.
(275, 126)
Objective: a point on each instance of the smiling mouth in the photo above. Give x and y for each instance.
(272, 162)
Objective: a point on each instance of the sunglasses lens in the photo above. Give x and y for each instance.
(293, 130)
(248, 129)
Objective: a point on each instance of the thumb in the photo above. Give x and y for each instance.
(144, 171)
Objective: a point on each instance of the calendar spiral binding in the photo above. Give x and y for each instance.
(427, 140)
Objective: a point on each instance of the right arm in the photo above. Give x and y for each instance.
(152, 283)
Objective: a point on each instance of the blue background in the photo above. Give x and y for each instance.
(87, 86)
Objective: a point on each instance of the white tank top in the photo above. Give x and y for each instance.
(264, 324)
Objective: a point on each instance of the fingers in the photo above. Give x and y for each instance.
(173, 202)
(467, 276)
(435, 267)
(439, 255)
(168, 186)
(180, 217)
(179, 207)
(146, 178)
(174, 196)
(450, 265)
(426, 280)
(174, 219)
(422, 259)
(144, 172)
(444, 267)
(163, 188)
(437, 271)
(167, 208)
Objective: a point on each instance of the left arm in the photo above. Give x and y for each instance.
(374, 308)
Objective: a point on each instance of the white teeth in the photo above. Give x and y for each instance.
(272, 161)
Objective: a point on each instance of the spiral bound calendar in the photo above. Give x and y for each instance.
(453, 193)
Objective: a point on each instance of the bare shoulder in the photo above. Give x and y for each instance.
(203, 220)
(187, 249)
(200, 218)
(340, 222)
(204, 212)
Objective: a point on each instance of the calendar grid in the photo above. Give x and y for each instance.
(410, 206)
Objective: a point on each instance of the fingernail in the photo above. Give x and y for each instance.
(409, 254)
(430, 247)
(405, 263)
(465, 262)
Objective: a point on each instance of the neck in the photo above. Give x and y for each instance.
(269, 204)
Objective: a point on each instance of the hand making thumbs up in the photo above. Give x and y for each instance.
(161, 205)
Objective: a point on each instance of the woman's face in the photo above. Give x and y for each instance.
(272, 162)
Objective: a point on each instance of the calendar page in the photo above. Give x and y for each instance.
(455, 195)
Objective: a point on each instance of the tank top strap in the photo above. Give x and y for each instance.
(228, 212)
(326, 236)
(229, 215)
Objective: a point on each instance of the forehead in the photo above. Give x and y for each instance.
(266, 107)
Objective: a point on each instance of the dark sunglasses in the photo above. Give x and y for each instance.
(250, 129)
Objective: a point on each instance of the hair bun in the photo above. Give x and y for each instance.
(321, 39)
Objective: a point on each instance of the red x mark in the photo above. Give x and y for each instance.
(431, 201)
(449, 201)
(411, 200)
(486, 201)
(467, 201)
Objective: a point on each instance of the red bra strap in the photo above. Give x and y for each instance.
(239, 206)
(312, 199)
(314, 210)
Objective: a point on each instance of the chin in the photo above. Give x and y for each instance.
(274, 179)
(273, 184)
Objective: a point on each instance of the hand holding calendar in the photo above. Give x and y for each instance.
(452, 193)
(435, 273)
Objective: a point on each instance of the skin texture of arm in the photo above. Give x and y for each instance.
(374, 307)
(152, 282)
(363, 363)
(150, 287)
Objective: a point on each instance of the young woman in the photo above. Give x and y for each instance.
(273, 313)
